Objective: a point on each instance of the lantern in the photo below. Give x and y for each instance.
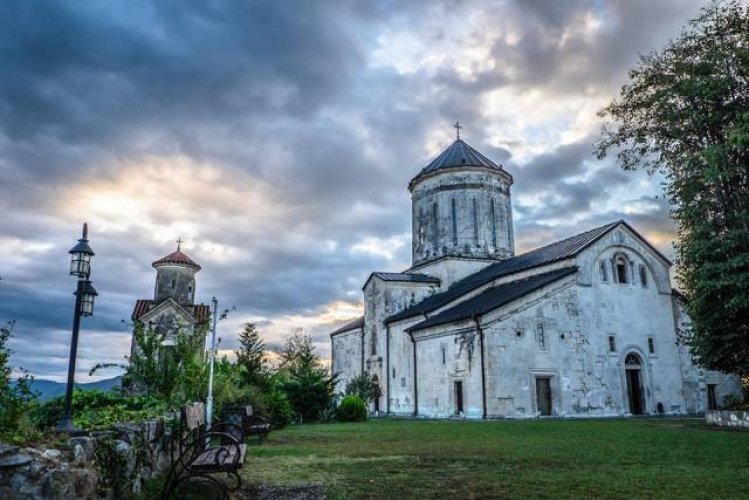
(80, 261)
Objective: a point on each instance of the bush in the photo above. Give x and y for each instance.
(97, 410)
(277, 408)
(352, 409)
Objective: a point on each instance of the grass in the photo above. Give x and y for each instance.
(622, 458)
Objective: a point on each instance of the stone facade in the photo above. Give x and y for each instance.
(604, 339)
(462, 213)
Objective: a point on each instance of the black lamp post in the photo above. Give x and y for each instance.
(80, 267)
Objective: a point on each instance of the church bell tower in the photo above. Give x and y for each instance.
(175, 278)
(461, 208)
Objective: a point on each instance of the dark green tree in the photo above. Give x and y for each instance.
(16, 394)
(307, 383)
(685, 113)
(251, 357)
(174, 371)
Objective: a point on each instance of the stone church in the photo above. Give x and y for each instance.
(173, 305)
(585, 326)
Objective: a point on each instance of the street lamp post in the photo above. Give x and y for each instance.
(211, 358)
(80, 267)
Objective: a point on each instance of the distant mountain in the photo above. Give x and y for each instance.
(49, 389)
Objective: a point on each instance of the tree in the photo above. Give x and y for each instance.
(16, 394)
(174, 371)
(251, 357)
(365, 387)
(685, 113)
(307, 383)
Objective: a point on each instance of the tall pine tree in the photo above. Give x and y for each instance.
(251, 357)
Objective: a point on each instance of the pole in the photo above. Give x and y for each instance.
(211, 356)
(67, 422)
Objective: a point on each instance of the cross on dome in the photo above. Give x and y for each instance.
(457, 128)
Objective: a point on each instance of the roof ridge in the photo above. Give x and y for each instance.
(547, 254)
(494, 297)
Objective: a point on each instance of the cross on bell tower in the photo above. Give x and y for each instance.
(457, 128)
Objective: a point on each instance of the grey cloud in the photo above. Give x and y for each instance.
(281, 92)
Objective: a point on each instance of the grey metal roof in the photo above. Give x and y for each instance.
(559, 250)
(417, 277)
(357, 323)
(493, 298)
(459, 154)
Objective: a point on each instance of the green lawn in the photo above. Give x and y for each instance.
(536, 458)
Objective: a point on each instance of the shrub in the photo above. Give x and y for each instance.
(352, 409)
(96, 410)
(277, 408)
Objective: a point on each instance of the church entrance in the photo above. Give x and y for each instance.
(458, 396)
(376, 399)
(632, 366)
(543, 395)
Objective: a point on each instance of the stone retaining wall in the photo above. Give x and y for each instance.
(78, 469)
(725, 418)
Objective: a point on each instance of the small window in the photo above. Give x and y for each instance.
(444, 355)
(602, 270)
(494, 225)
(435, 229)
(174, 284)
(455, 222)
(621, 270)
(475, 222)
(518, 333)
(541, 336)
(643, 275)
(651, 345)
(403, 381)
(393, 372)
(612, 343)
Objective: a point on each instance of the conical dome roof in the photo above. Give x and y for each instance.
(458, 154)
(177, 257)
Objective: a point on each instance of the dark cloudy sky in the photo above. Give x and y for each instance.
(279, 137)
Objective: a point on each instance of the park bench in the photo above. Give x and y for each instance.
(201, 454)
(242, 416)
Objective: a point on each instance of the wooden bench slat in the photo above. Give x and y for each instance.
(207, 458)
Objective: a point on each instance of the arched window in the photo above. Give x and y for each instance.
(455, 223)
(174, 284)
(620, 265)
(475, 222)
(643, 276)
(494, 225)
(435, 231)
(632, 359)
(602, 270)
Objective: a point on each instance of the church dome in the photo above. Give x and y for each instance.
(461, 208)
(177, 257)
(458, 154)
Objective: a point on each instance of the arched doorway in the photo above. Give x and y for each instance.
(376, 397)
(633, 369)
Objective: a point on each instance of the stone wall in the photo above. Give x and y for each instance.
(725, 418)
(88, 466)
